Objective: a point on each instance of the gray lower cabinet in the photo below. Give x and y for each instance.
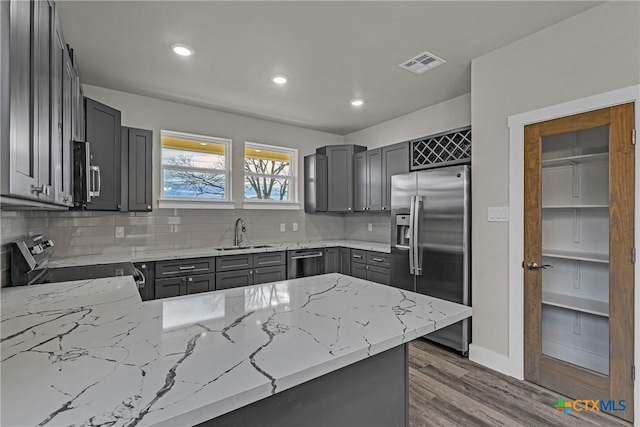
(395, 160)
(137, 169)
(345, 261)
(250, 269)
(378, 274)
(183, 277)
(340, 173)
(315, 183)
(372, 266)
(359, 270)
(331, 260)
(103, 133)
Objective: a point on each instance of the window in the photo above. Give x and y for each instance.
(195, 167)
(269, 173)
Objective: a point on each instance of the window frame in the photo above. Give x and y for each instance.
(292, 203)
(194, 202)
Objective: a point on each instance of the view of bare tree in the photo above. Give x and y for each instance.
(197, 183)
(264, 186)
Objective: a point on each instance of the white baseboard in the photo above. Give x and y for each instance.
(491, 360)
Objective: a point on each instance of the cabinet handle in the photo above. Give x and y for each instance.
(250, 271)
(190, 279)
(191, 267)
(376, 259)
(357, 256)
(384, 208)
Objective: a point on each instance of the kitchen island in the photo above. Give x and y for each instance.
(92, 353)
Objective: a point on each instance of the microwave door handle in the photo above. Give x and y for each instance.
(412, 268)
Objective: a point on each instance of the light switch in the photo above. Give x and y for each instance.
(283, 227)
(119, 232)
(498, 214)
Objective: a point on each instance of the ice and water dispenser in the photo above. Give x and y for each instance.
(403, 222)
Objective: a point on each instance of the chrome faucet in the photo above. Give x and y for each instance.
(238, 235)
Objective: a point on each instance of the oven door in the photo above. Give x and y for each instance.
(305, 263)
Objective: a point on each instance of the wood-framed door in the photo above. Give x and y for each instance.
(579, 254)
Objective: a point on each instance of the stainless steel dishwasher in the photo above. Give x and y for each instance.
(305, 263)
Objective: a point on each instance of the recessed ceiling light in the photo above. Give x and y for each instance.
(258, 151)
(356, 102)
(280, 79)
(182, 49)
(203, 143)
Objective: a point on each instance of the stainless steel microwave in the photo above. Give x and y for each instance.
(86, 177)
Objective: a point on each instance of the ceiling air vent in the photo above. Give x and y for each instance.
(422, 63)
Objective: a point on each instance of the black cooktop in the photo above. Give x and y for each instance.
(66, 274)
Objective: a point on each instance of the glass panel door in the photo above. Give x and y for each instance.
(575, 248)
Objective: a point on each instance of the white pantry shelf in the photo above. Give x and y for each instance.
(574, 160)
(578, 256)
(584, 305)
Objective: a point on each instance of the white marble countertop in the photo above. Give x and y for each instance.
(91, 353)
(208, 252)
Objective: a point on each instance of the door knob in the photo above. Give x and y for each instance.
(535, 266)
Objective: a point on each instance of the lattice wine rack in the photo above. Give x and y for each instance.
(450, 148)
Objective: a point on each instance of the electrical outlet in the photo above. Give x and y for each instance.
(295, 226)
(283, 228)
(370, 227)
(119, 232)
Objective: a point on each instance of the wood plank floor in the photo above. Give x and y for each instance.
(446, 389)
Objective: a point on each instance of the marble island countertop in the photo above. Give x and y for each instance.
(209, 252)
(91, 353)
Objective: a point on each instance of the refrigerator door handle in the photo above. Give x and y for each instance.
(417, 217)
(412, 268)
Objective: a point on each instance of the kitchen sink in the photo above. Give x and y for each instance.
(236, 248)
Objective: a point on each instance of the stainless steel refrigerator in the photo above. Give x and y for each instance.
(430, 241)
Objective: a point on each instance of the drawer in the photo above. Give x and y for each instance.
(234, 262)
(183, 267)
(276, 273)
(378, 258)
(267, 259)
(378, 274)
(233, 279)
(358, 256)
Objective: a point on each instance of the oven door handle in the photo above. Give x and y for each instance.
(319, 254)
(141, 281)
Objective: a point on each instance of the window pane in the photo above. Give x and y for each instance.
(267, 162)
(266, 188)
(180, 183)
(208, 160)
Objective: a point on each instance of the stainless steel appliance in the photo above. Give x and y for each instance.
(430, 241)
(30, 266)
(86, 177)
(305, 263)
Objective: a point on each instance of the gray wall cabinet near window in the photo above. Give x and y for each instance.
(368, 180)
(137, 170)
(315, 183)
(250, 269)
(395, 160)
(103, 134)
(340, 175)
(183, 277)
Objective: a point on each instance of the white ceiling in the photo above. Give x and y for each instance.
(330, 51)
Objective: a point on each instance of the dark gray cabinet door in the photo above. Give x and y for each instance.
(234, 262)
(103, 135)
(345, 261)
(165, 288)
(315, 183)
(331, 260)
(269, 274)
(268, 259)
(340, 176)
(139, 168)
(20, 152)
(200, 283)
(378, 274)
(359, 270)
(374, 180)
(42, 97)
(360, 182)
(234, 279)
(395, 160)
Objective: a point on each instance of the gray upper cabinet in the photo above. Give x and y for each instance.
(340, 175)
(104, 134)
(315, 183)
(395, 160)
(367, 180)
(137, 169)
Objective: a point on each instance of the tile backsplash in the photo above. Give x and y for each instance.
(78, 233)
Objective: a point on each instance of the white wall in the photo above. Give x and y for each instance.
(591, 53)
(155, 114)
(451, 114)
